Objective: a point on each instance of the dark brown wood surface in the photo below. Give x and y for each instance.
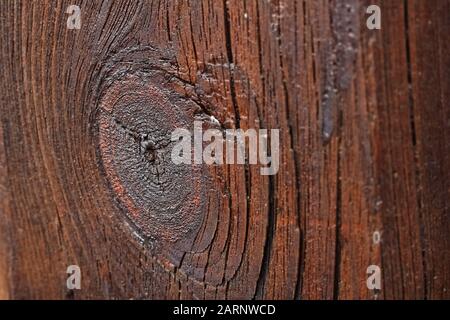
(364, 121)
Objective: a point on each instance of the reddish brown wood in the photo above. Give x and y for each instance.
(86, 117)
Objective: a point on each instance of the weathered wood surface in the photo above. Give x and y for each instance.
(364, 123)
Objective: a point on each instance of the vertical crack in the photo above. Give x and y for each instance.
(338, 249)
(269, 240)
(414, 142)
(230, 58)
(302, 255)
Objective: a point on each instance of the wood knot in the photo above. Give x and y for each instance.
(165, 202)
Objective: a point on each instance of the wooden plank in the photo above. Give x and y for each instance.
(85, 176)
